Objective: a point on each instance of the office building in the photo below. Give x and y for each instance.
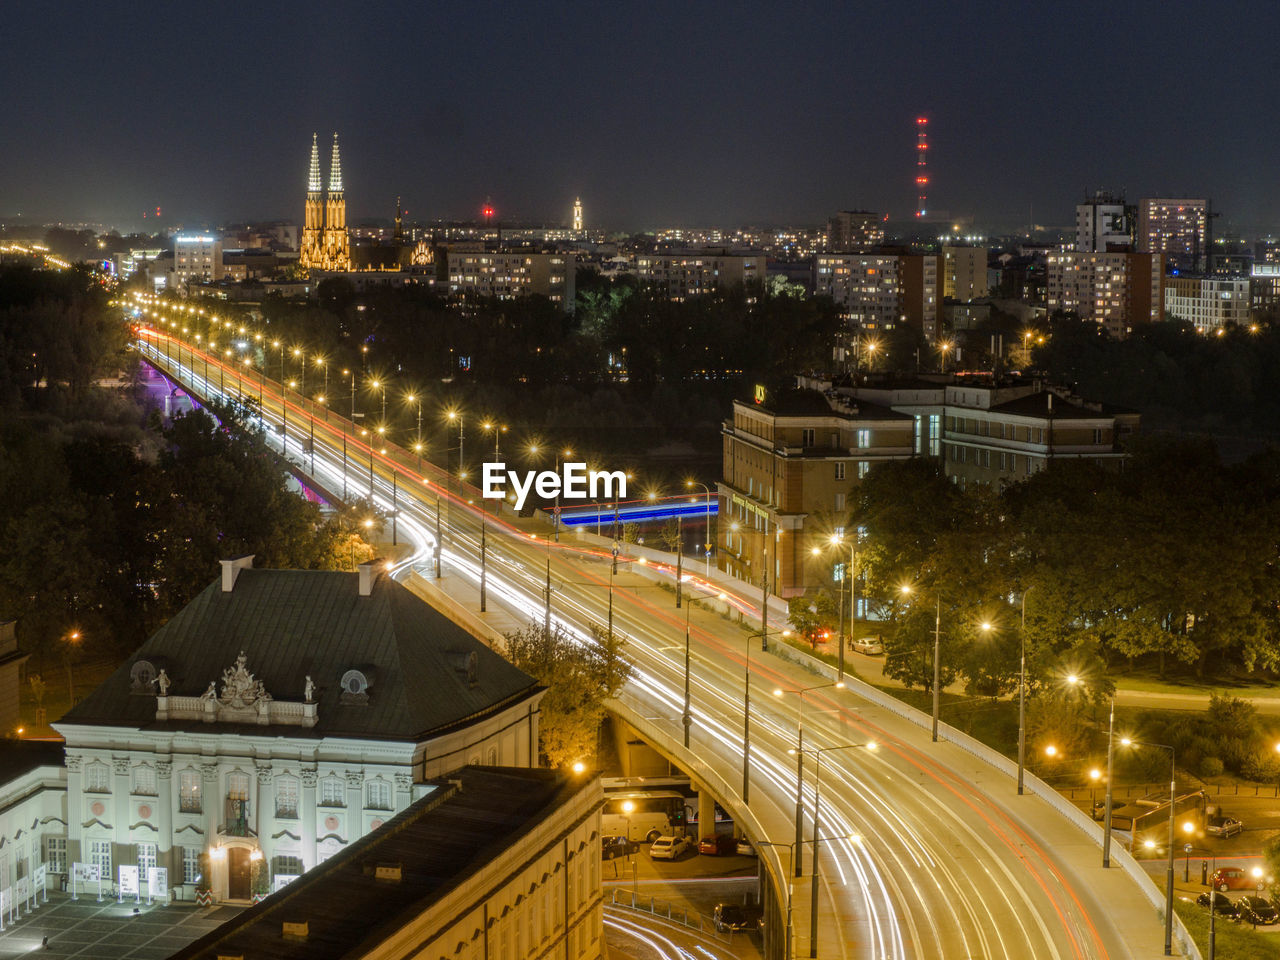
(490, 863)
(680, 275)
(1103, 224)
(1264, 286)
(1209, 303)
(854, 231)
(1180, 228)
(278, 718)
(791, 466)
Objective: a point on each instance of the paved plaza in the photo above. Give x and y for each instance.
(89, 930)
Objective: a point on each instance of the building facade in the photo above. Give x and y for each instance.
(679, 276)
(1180, 228)
(490, 863)
(1209, 303)
(1115, 290)
(474, 270)
(197, 258)
(854, 231)
(866, 287)
(964, 273)
(1103, 224)
(792, 464)
(279, 717)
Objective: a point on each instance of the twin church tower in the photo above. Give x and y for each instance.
(324, 233)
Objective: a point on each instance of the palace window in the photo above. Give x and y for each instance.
(97, 778)
(55, 854)
(100, 854)
(332, 793)
(379, 795)
(189, 791)
(146, 858)
(144, 780)
(190, 864)
(287, 798)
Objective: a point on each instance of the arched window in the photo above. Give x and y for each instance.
(287, 798)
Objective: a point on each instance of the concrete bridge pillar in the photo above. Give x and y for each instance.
(706, 813)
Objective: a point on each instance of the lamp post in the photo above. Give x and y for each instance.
(839, 684)
(417, 444)
(686, 719)
(1022, 692)
(817, 848)
(453, 415)
(1173, 787)
(1106, 814)
(312, 442)
(301, 357)
(746, 709)
(706, 542)
(937, 643)
(556, 518)
(284, 418)
(792, 847)
(381, 387)
(73, 641)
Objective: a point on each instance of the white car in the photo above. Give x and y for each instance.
(670, 848)
(868, 645)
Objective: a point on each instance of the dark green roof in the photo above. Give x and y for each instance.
(292, 624)
(442, 841)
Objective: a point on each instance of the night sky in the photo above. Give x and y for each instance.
(655, 113)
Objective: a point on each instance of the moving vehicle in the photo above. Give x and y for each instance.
(718, 844)
(1223, 827)
(1232, 878)
(611, 847)
(670, 848)
(733, 917)
(1222, 905)
(871, 646)
(745, 849)
(1257, 910)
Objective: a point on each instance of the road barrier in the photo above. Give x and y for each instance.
(666, 910)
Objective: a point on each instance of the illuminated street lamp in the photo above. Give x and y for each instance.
(1173, 787)
(937, 643)
(706, 544)
(799, 751)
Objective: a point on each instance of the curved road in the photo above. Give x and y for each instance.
(926, 852)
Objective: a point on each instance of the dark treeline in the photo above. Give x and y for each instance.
(111, 521)
(1168, 565)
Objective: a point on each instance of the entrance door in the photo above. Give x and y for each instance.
(237, 873)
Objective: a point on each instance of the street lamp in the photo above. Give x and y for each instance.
(706, 543)
(817, 848)
(1022, 692)
(746, 708)
(417, 445)
(838, 684)
(937, 643)
(1173, 787)
(381, 387)
(453, 415)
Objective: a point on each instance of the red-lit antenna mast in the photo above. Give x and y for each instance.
(922, 165)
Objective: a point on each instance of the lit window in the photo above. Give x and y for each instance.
(287, 798)
(190, 864)
(189, 791)
(100, 854)
(55, 854)
(146, 858)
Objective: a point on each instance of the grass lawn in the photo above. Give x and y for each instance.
(1235, 940)
(1234, 686)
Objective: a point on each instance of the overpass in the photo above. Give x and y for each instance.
(927, 849)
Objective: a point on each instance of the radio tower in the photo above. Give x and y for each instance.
(922, 166)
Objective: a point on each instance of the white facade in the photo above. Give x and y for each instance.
(508, 275)
(1208, 302)
(683, 275)
(1100, 222)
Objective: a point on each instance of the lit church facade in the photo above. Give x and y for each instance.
(279, 717)
(325, 244)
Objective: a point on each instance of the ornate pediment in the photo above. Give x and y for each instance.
(243, 699)
(239, 687)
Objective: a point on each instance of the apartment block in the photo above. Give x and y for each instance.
(964, 273)
(1115, 290)
(1103, 224)
(1180, 228)
(1209, 303)
(691, 274)
(196, 259)
(855, 231)
(472, 270)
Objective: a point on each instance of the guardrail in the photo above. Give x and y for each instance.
(666, 910)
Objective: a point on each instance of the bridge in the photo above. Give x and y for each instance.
(926, 849)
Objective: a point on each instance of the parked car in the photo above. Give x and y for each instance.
(611, 847)
(1257, 910)
(1232, 878)
(1222, 904)
(745, 849)
(1223, 827)
(670, 848)
(868, 645)
(718, 844)
(732, 917)
(1099, 809)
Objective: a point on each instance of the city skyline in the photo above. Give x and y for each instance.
(667, 117)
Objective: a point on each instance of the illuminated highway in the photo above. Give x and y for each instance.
(926, 851)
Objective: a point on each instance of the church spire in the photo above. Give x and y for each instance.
(313, 175)
(335, 169)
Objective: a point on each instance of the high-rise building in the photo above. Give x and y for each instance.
(1208, 303)
(692, 273)
(577, 215)
(325, 244)
(1180, 228)
(196, 259)
(855, 231)
(474, 270)
(920, 293)
(964, 273)
(1103, 224)
(866, 287)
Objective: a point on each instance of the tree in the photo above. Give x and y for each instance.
(579, 679)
